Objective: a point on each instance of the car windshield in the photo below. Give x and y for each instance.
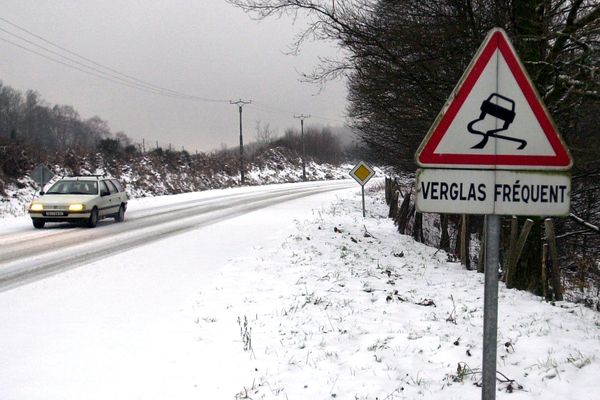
(74, 187)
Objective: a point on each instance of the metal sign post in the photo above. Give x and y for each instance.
(362, 173)
(493, 150)
(363, 201)
(490, 306)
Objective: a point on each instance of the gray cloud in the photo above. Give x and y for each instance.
(204, 48)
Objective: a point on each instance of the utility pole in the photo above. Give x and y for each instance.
(240, 103)
(302, 117)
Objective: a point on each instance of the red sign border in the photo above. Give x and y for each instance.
(496, 41)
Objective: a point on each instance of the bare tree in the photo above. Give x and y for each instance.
(264, 134)
(48, 128)
(403, 57)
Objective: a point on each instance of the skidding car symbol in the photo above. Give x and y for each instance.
(495, 110)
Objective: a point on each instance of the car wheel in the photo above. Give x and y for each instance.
(38, 223)
(121, 214)
(93, 220)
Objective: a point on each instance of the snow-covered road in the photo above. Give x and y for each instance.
(125, 326)
(29, 254)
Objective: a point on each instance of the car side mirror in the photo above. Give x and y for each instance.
(42, 192)
(104, 193)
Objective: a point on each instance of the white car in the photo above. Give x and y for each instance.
(85, 199)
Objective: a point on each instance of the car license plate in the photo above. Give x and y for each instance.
(55, 213)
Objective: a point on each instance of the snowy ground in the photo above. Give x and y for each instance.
(305, 300)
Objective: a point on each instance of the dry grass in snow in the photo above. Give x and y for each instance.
(347, 308)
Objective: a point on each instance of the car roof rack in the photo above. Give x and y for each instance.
(88, 176)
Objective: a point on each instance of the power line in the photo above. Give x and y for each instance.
(82, 67)
(75, 67)
(113, 75)
(267, 108)
(106, 77)
(76, 54)
(101, 71)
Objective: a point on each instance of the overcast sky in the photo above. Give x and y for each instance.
(205, 48)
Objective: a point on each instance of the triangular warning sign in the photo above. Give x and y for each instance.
(494, 118)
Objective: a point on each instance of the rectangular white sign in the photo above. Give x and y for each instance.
(493, 192)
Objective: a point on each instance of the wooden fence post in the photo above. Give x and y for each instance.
(465, 242)
(544, 269)
(403, 213)
(481, 259)
(514, 257)
(394, 204)
(388, 190)
(551, 238)
(512, 244)
(445, 237)
(418, 227)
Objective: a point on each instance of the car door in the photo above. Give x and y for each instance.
(104, 203)
(113, 198)
(122, 195)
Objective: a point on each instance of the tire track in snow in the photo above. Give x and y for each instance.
(40, 256)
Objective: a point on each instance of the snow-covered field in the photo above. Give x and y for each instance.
(304, 300)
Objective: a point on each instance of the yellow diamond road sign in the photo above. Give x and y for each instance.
(362, 173)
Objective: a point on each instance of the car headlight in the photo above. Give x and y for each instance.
(36, 207)
(76, 207)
